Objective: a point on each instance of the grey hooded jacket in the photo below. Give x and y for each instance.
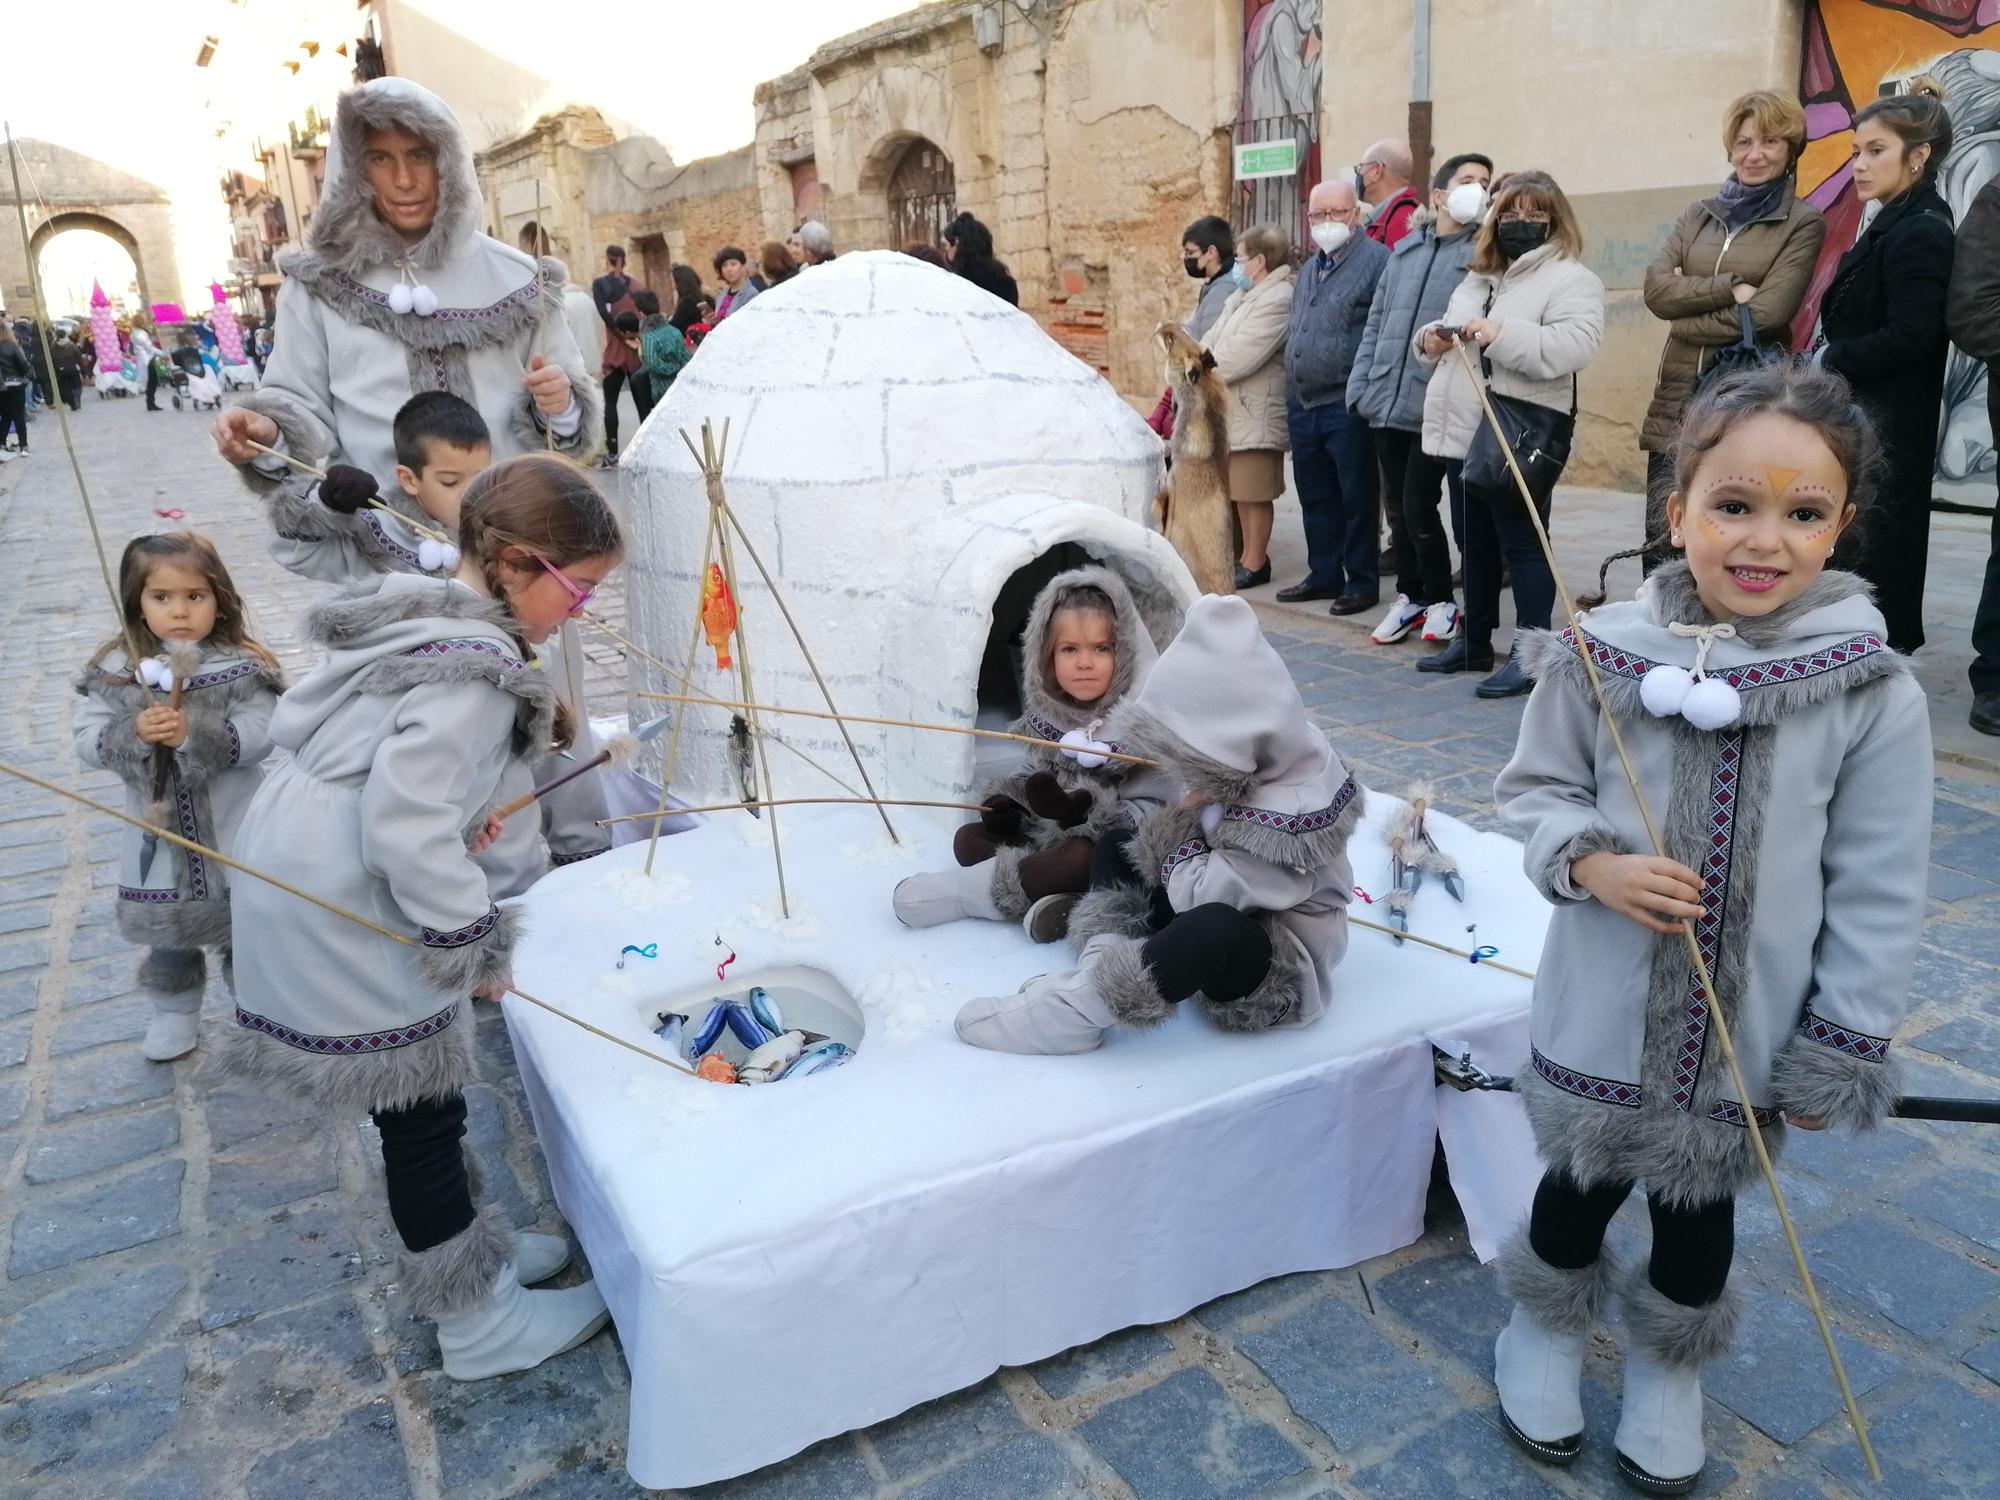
(393, 749)
(1274, 808)
(1387, 386)
(1809, 822)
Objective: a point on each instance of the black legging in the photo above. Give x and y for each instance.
(642, 401)
(1214, 950)
(1497, 526)
(430, 1199)
(1692, 1247)
(14, 414)
(1413, 482)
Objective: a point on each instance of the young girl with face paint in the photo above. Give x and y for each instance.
(1785, 751)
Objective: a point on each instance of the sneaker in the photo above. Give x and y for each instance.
(1441, 622)
(1397, 622)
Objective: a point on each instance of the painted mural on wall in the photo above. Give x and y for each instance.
(1855, 51)
(1281, 78)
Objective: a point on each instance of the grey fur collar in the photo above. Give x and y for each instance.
(1139, 733)
(513, 313)
(1669, 595)
(347, 617)
(346, 234)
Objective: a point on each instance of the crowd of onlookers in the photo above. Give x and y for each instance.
(646, 346)
(1357, 357)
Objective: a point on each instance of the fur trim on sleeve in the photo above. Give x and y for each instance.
(295, 511)
(524, 423)
(119, 749)
(211, 747)
(1159, 834)
(1553, 879)
(1139, 733)
(460, 962)
(1831, 1082)
(303, 435)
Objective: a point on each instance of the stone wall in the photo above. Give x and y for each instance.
(80, 192)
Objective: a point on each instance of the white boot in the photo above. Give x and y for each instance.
(939, 896)
(511, 1329)
(537, 1257)
(1058, 1014)
(1539, 1374)
(1659, 1425)
(172, 1031)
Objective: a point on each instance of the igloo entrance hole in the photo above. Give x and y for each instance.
(801, 999)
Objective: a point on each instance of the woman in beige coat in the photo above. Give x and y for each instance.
(1248, 342)
(1751, 245)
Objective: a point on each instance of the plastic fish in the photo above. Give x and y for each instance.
(741, 763)
(765, 1009)
(772, 1059)
(718, 615)
(670, 1030)
(819, 1059)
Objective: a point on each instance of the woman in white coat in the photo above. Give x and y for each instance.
(1533, 313)
(1248, 342)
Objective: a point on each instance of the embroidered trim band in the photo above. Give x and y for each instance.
(1856, 1043)
(557, 861)
(1585, 1085)
(372, 519)
(472, 932)
(1715, 868)
(507, 659)
(1189, 849)
(1755, 674)
(348, 1046)
(1307, 822)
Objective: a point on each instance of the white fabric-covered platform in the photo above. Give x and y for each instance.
(796, 1260)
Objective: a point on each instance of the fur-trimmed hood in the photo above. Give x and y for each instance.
(346, 234)
(408, 630)
(1829, 640)
(1220, 713)
(1040, 696)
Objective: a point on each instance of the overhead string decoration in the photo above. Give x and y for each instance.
(410, 295)
(1705, 702)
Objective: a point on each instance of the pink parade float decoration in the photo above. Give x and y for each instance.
(228, 332)
(103, 331)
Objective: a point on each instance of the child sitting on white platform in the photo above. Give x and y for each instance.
(1084, 651)
(1236, 895)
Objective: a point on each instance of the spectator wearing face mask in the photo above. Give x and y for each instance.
(1752, 245)
(1382, 182)
(1333, 461)
(1388, 385)
(1248, 344)
(1208, 254)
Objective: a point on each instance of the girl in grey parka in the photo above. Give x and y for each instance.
(1236, 894)
(190, 767)
(1084, 651)
(1786, 752)
(392, 751)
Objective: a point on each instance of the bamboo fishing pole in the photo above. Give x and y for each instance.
(374, 502)
(719, 807)
(203, 851)
(1693, 943)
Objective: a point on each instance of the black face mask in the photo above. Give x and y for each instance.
(1516, 240)
(1192, 266)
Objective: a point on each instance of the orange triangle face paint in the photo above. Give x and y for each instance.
(1781, 479)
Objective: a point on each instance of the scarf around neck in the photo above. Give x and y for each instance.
(1739, 205)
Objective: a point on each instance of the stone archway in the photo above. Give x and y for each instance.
(922, 195)
(894, 110)
(68, 190)
(111, 229)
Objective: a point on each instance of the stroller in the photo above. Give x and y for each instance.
(172, 378)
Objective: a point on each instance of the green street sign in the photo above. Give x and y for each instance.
(1267, 159)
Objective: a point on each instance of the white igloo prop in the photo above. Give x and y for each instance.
(797, 1259)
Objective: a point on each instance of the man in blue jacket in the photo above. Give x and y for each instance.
(1333, 461)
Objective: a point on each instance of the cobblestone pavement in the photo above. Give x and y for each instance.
(198, 1293)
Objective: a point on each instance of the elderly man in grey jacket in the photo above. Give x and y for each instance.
(1333, 462)
(1387, 387)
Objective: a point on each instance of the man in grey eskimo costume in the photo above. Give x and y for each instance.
(1808, 820)
(1236, 895)
(397, 292)
(391, 749)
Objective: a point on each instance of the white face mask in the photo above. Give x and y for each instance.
(1330, 237)
(1466, 202)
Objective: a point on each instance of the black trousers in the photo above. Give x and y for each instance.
(430, 1199)
(1214, 951)
(1692, 1247)
(152, 385)
(69, 384)
(14, 414)
(1497, 526)
(642, 401)
(1985, 671)
(1413, 483)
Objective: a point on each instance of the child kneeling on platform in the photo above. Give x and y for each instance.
(1085, 650)
(1236, 895)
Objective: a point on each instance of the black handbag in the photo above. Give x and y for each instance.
(1741, 357)
(1540, 437)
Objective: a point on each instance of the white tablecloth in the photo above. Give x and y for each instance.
(827, 1252)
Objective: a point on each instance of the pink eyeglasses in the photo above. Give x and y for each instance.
(580, 597)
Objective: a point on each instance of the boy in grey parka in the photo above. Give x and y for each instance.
(1237, 893)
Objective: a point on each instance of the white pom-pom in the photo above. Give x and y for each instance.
(448, 558)
(399, 297)
(1712, 704)
(153, 673)
(1664, 689)
(424, 302)
(1084, 750)
(1211, 817)
(430, 555)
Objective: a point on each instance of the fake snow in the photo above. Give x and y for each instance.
(893, 1004)
(769, 916)
(662, 1101)
(635, 890)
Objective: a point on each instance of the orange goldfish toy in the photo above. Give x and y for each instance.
(718, 615)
